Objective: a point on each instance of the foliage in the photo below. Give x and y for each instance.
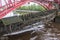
(32, 7)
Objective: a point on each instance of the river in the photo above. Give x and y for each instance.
(51, 32)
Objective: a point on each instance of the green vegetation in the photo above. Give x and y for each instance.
(32, 7)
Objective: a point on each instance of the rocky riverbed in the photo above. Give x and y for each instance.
(47, 33)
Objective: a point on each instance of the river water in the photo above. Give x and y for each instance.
(50, 32)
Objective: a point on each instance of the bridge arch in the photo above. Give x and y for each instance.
(13, 4)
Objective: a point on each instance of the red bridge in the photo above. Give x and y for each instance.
(7, 6)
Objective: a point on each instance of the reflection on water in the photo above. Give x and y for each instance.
(42, 33)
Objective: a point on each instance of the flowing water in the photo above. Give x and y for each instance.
(51, 32)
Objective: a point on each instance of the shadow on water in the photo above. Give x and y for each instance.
(43, 33)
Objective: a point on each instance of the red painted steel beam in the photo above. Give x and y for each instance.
(6, 11)
(10, 6)
(40, 3)
(57, 1)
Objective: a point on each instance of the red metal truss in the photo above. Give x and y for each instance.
(43, 4)
(7, 6)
